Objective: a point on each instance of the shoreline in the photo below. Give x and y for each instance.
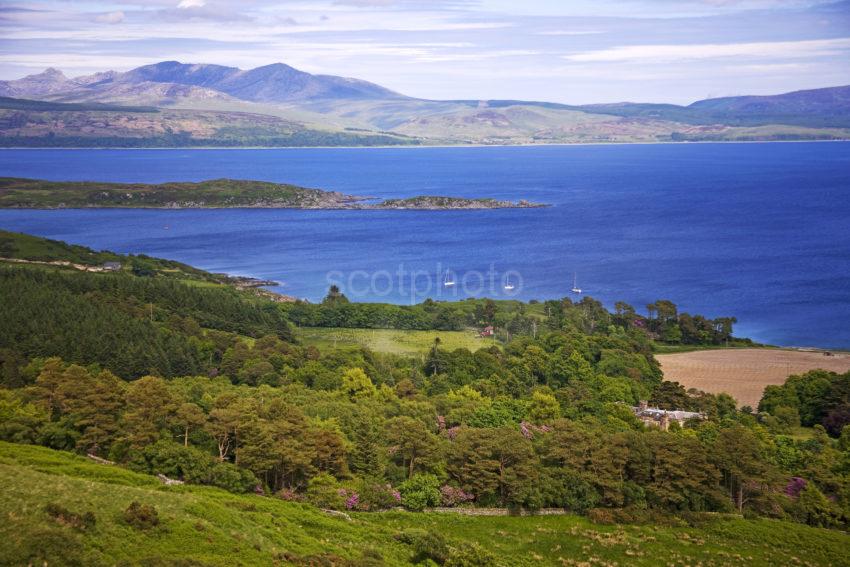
(430, 146)
(249, 208)
(262, 284)
(224, 193)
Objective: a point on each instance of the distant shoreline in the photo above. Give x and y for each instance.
(429, 146)
(223, 193)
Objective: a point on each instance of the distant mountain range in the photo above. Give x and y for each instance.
(277, 83)
(176, 104)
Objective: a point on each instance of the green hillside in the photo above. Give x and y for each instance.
(207, 383)
(20, 246)
(41, 194)
(43, 105)
(22, 193)
(149, 315)
(138, 124)
(206, 526)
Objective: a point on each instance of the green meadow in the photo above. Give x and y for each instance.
(207, 526)
(394, 341)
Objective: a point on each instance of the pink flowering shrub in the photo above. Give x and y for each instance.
(453, 496)
(370, 495)
(289, 495)
(529, 429)
(795, 486)
(350, 498)
(352, 502)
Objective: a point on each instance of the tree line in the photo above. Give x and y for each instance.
(362, 431)
(663, 322)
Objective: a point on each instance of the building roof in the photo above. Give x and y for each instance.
(658, 413)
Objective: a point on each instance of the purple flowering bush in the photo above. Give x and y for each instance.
(453, 496)
(376, 495)
(529, 429)
(350, 498)
(795, 486)
(324, 491)
(289, 495)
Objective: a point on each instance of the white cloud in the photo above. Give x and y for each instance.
(476, 56)
(186, 4)
(551, 49)
(662, 53)
(111, 18)
(569, 32)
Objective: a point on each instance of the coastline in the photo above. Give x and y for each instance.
(431, 146)
(249, 208)
(222, 193)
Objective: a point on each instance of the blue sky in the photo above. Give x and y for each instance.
(578, 51)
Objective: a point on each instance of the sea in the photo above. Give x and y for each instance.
(758, 231)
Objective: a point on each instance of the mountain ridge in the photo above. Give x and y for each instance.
(276, 82)
(226, 79)
(314, 102)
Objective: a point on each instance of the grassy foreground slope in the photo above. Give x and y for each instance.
(207, 526)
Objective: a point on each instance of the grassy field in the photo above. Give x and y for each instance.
(206, 526)
(743, 373)
(391, 340)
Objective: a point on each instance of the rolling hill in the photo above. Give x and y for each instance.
(47, 494)
(278, 105)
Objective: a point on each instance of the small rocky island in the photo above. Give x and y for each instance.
(18, 193)
(437, 203)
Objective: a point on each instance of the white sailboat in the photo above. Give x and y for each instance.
(508, 285)
(448, 280)
(576, 288)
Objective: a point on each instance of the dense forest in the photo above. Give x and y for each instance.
(208, 384)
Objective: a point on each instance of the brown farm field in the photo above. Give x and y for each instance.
(743, 373)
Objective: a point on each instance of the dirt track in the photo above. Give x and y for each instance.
(744, 373)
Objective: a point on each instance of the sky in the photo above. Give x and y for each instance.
(570, 51)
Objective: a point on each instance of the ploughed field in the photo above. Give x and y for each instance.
(744, 373)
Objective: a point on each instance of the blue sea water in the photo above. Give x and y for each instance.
(756, 231)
